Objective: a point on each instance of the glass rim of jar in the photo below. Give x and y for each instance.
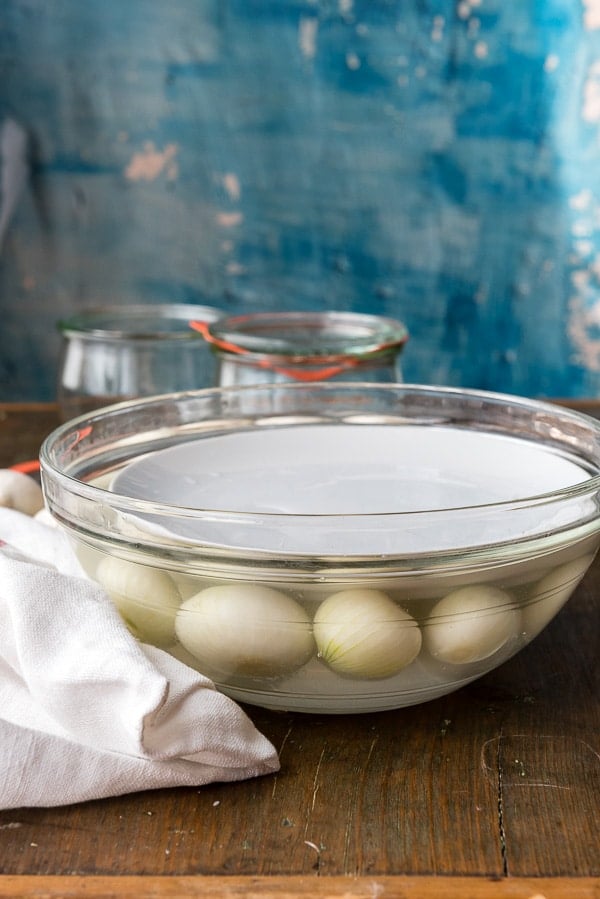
(137, 321)
(307, 335)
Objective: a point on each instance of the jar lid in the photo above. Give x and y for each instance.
(140, 321)
(307, 334)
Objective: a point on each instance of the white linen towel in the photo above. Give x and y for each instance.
(85, 710)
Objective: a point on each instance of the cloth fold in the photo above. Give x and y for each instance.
(86, 711)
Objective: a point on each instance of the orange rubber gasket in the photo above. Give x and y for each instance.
(28, 467)
(296, 374)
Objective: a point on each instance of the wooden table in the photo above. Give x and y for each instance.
(492, 791)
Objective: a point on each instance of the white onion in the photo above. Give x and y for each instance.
(551, 593)
(362, 633)
(245, 629)
(147, 599)
(471, 624)
(19, 491)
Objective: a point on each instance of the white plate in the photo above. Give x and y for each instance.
(347, 470)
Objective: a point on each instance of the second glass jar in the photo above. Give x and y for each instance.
(305, 346)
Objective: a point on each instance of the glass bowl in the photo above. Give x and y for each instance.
(331, 547)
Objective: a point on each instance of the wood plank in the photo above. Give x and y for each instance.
(356, 795)
(396, 887)
(23, 427)
(545, 761)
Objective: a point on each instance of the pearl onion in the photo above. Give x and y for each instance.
(363, 633)
(19, 491)
(146, 599)
(551, 593)
(470, 624)
(245, 629)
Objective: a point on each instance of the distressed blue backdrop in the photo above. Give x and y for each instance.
(434, 160)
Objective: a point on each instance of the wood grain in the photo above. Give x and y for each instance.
(297, 888)
(23, 427)
(499, 780)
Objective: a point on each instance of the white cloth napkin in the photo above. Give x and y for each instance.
(85, 710)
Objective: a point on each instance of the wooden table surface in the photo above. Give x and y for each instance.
(490, 791)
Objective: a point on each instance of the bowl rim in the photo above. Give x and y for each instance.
(79, 425)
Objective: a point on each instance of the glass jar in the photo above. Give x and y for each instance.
(276, 347)
(113, 353)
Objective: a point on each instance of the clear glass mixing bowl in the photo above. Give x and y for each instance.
(331, 547)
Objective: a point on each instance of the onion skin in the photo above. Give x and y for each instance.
(362, 633)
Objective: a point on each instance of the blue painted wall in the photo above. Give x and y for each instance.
(434, 160)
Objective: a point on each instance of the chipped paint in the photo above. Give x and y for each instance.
(584, 323)
(437, 31)
(149, 163)
(234, 268)
(581, 200)
(591, 16)
(551, 63)
(229, 219)
(307, 36)
(231, 183)
(591, 96)
(583, 320)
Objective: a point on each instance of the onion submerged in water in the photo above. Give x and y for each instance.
(471, 624)
(551, 593)
(147, 599)
(245, 629)
(362, 633)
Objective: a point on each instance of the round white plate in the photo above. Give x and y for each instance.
(347, 470)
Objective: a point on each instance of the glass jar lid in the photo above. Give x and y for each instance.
(143, 321)
(305, 335)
